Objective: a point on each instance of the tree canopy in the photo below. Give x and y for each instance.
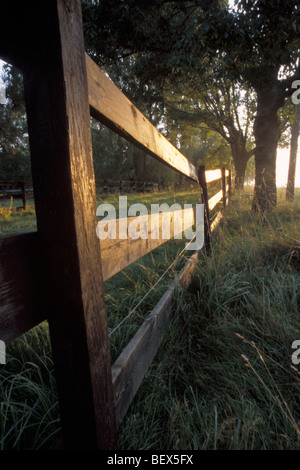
(254, 44)
(213, 76)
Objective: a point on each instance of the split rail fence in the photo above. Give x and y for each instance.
(57, 273)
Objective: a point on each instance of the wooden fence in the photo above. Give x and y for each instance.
(23, 189)
(57, 273)
(126, 186)
(16, 189)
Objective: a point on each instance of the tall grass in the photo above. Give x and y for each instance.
(29, 417)
(222, 378)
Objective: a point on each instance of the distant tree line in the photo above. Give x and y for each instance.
(214, 79)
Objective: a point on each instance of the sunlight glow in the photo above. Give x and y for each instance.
(282, 166)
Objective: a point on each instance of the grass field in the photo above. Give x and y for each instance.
(223, 378)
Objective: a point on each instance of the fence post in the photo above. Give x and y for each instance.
(23, 194)
(229, 189)
(203, 185)
(105, 187)
(56, 95)
(223, 170)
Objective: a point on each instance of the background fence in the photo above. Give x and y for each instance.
(24, 189)
(16, 190)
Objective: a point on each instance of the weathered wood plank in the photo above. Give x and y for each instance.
(224, 187)
(216, 221)
(204, 197)
(131, 366)
(111, 107)
(118, 253)
(21, 277)
(58, 116)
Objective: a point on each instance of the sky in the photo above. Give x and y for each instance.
(282, 165)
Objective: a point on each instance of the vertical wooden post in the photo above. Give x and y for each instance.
(23, 194)
(223, 170)
(203, 185)
(56, 95)
(229, 189)
(105, 187)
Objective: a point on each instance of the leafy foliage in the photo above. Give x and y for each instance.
(14, 146)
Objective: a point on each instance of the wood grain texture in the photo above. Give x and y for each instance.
(111, 107)
(58, 118)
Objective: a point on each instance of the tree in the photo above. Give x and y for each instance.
(261, 44)
(225, 108)
(14, 145)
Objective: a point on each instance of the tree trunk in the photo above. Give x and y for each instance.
(290, 189)
(240, 165)
(240, 158)
(266, 133)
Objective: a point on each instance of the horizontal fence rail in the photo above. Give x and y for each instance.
(117, 254)
(111, 107)
(214, 200)
(14, 189)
